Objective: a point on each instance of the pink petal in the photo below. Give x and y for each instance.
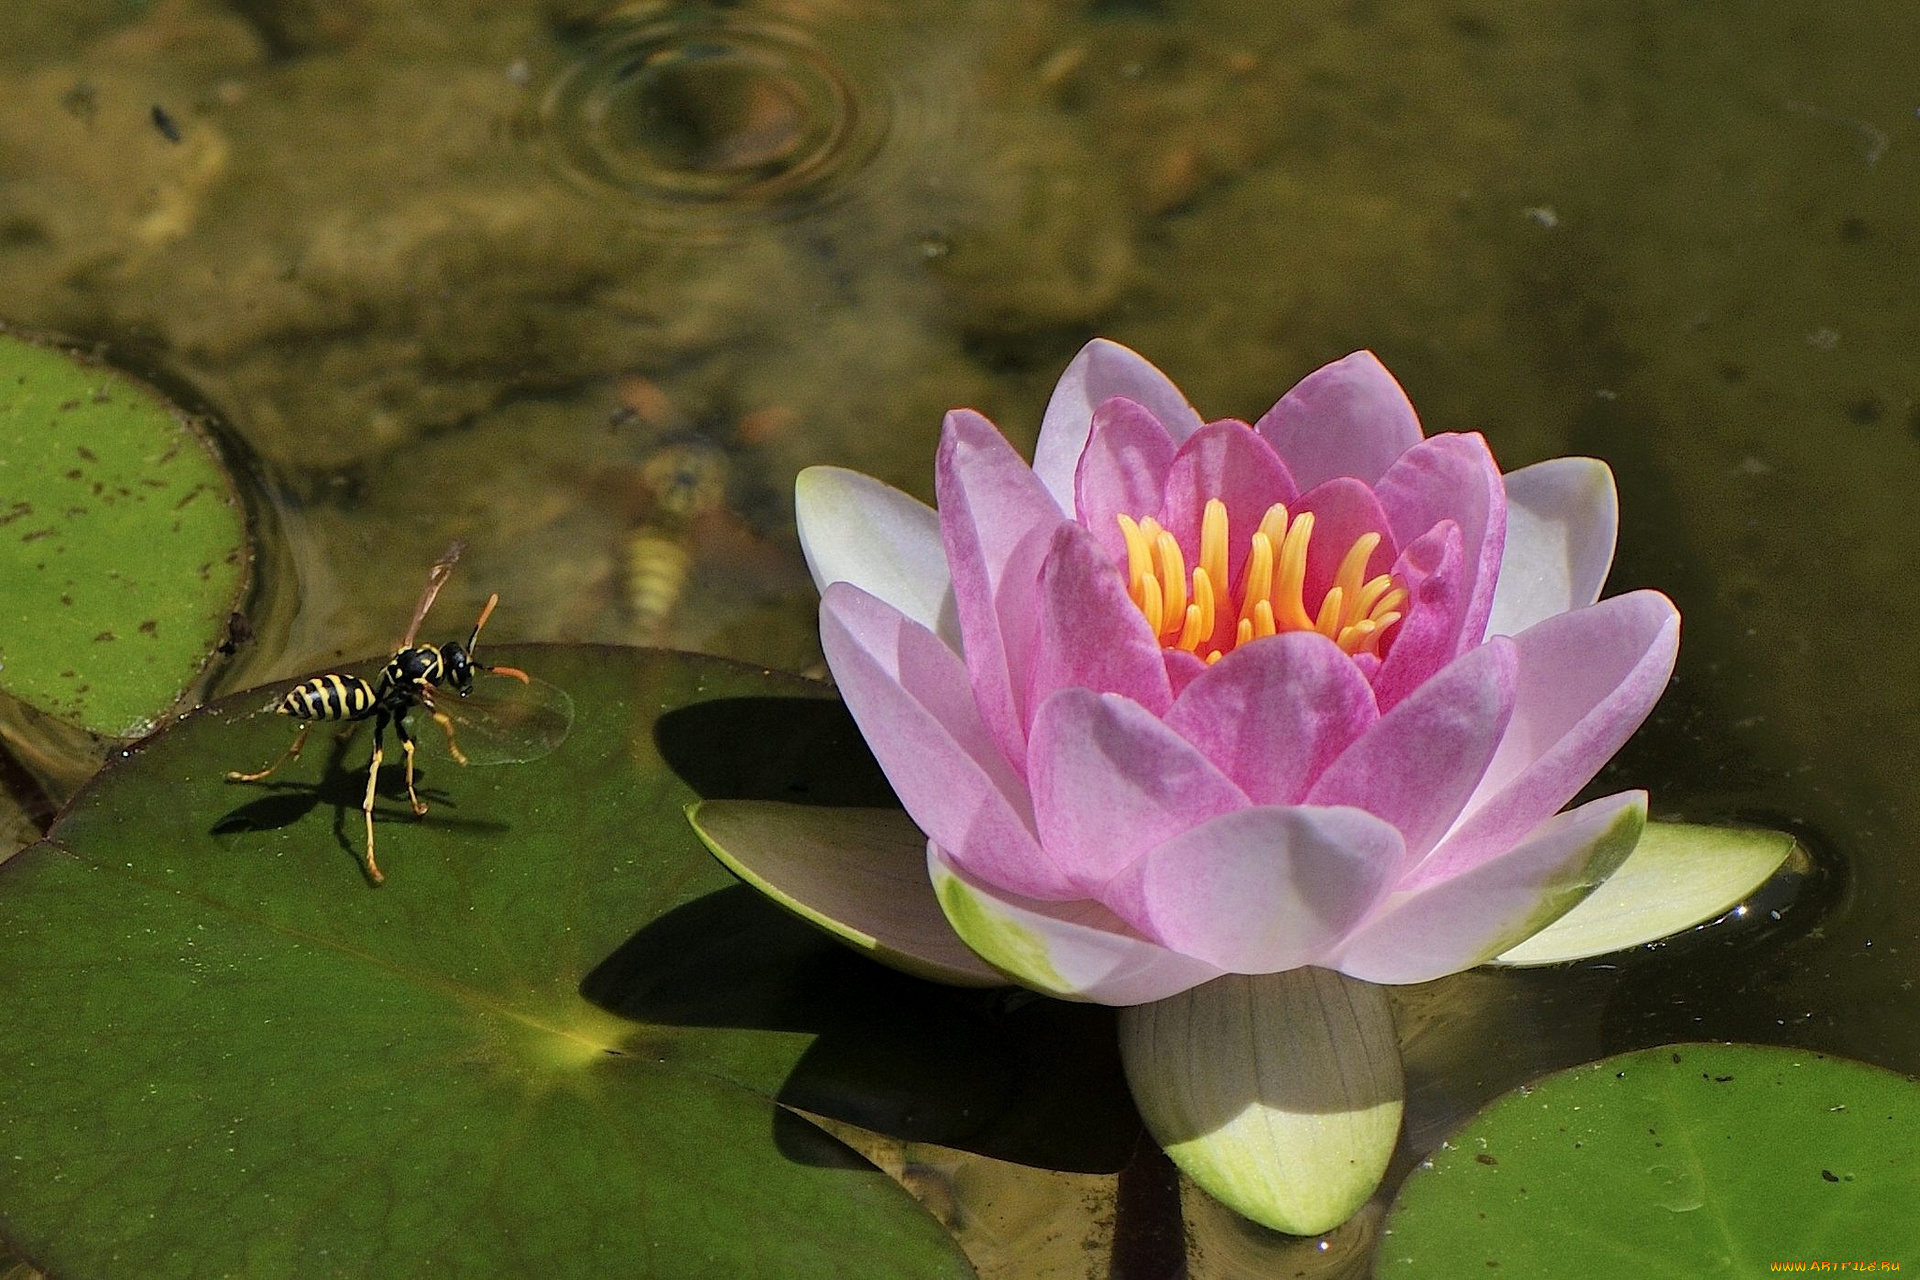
(1426, 639)
(1344, 511)
(1224, 460)
(1586, 680)
(1183, 669)
(1100, 372)
(1110, 781)
(855, 529)
(908, 693)
(1122, 472)
(1459, 923)
(1074, 950)
(1091, 634)
(1562, 515)
(996, 522)
(1275, 713)
(1453, 477)
(1348, 418)
(1260, 890)
(1419, 763)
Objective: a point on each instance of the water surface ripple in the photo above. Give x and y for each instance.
(704, 121)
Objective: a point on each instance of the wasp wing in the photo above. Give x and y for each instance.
(503, 721)
(436, 578)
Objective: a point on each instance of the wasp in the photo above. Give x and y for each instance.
(411, 678)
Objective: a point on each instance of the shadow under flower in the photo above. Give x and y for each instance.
(1001, 1073)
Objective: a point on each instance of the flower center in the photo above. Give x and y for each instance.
(1192, 611)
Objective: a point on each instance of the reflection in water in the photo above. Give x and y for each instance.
(678, 490)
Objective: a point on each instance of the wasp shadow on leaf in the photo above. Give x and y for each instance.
(343, 786)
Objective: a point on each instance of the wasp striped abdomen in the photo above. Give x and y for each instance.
(411, 677)
(328, 697)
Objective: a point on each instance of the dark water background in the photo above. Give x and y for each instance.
(586, 284)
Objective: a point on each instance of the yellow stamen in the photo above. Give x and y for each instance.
(1289, 608)
(1346, 579)
(1184, 609)
(1190, 632)
(1370, 595)
(1370, 643)
(1274, 523)
(1256, 580)
(1173, 580)
(1328, 623)
(1203, 601)
(1139, 563)
(1213, 546)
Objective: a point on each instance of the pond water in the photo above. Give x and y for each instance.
(586, 283)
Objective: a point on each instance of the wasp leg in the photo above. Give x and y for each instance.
(373, 778)
(445, 722)
(406, 741)
(515, 672)
(291, 753)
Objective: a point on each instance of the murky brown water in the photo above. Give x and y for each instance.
(586, 284)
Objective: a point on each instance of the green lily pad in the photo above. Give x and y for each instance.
(123, 546)
(1687, 1160)
(556, 1042)
(1678, 875)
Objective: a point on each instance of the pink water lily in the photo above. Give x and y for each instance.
(1188, 698)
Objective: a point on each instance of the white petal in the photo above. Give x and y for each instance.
(859, 874)
(1280, 1095)
(1679, 875)
(1473, 917)
(1073, 950)
(855, 529)
(1562, 516)
(1100, 372)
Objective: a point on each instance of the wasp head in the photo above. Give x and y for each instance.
(458, 664)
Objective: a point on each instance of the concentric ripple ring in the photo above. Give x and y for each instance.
(713, 121)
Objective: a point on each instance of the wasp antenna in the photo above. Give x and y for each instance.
(485, 613)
